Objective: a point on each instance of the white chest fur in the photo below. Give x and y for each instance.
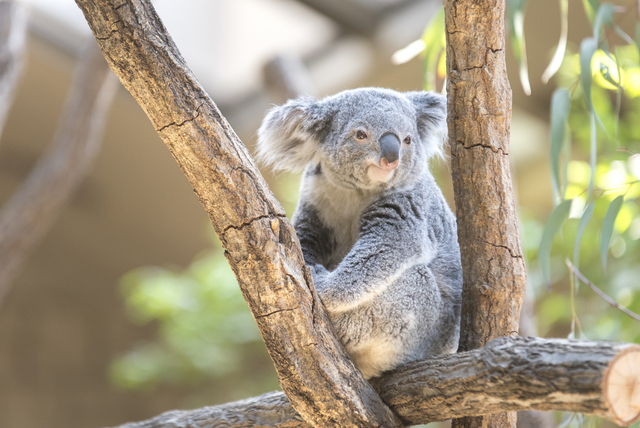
(339, 209)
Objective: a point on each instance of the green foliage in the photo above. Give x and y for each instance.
(205, 328)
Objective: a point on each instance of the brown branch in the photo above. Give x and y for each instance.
(261, 245)
(32, 209)
(509, 374)
(479, 112)
(601, 293)
(13, 30)
(286, 77)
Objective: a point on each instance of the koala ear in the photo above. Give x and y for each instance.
(290, 134)
(431, 114)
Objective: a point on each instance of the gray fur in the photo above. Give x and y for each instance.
(382, 245)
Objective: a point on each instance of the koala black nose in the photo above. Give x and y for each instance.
(390, 147)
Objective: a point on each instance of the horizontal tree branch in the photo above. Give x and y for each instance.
(509, 374)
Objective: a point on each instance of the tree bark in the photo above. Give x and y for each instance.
(32, 209)
(260, 244)
(13, 30)
(479, 112)
(508, 374)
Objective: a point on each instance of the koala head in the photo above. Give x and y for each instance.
(368, 138)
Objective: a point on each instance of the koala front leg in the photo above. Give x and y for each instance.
(316, 240)
(392, 240)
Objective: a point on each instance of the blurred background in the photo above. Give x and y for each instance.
(127, 308)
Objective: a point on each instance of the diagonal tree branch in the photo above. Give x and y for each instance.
(509, 374)
(32, 209)
(261, 246)
(13, 30)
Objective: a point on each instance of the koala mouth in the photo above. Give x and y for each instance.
(383, 171)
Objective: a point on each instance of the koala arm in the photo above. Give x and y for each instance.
(315, 238)
(393, 238)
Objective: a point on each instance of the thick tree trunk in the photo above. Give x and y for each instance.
(479, 111)
(261, 245)
(32, 209)
(508, 374)
(13, 30)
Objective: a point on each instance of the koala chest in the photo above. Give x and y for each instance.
(340, 212)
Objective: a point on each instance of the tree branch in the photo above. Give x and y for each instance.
(13, 30)
(32, 209)
(509, 374)
(261, 245)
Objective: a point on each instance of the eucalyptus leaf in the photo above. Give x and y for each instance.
(590, 8)
(593, 148)
(603, 17)
(551, 229)
(515, 18)
(584, 220)
(434, 44)
(560, 107)
(607, 228)
(588, 47)
(558, 56)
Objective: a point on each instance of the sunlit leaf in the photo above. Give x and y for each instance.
(408, 52)
(433, 38)
(560, 106)
(558, 56)
(588, 48)
(584, 220)
(515, 18)
(607, 228)
(551, 229)
(605, 70)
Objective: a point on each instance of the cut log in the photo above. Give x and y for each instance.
(509, 374)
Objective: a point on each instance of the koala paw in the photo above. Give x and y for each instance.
(319, 273)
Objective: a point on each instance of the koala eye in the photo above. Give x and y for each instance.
(361, 135)
(407, 140)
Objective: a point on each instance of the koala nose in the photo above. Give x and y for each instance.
(389, 148)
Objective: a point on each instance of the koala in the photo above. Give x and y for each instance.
(374, 227)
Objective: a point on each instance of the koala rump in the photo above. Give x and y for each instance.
(373, 225)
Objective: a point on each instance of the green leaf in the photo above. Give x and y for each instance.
(515, 18)
(434, 42)
(551, 229)
(607, 228)
(603, 17)
(558, 56)
(638, 38)
(590, 7)
(593, 148)
(584, 220)
(587, 48)
(560, 107)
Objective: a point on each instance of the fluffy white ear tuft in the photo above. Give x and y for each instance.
(431, 114)
(291, 134)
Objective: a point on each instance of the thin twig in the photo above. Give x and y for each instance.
(601, 293)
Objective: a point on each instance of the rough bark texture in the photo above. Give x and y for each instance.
(13, 29)
(507, 374)
(28, 214)
(261, 245)
(479, 109)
